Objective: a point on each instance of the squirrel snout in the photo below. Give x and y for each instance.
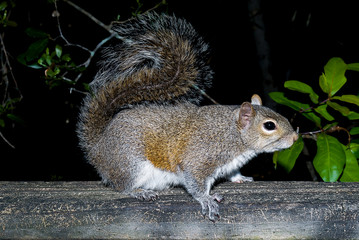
(295, 137)
(292, 138)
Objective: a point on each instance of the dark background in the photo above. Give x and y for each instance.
(302, 36)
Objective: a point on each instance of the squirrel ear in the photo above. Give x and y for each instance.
(256, 100)
(246, 114)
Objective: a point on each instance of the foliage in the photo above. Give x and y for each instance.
(55, 64)
(8, 82)
(333, 161)
(4, 14)
(52, 55)
(5, 111)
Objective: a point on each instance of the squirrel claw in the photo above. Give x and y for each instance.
(219, 198)
(210, 206)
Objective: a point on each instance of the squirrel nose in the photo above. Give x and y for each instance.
(295, 137)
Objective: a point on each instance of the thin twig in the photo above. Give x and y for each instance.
(92, 54)
(78, 91)
(3, 137)
(148, 10)
(4, 80)
(98, 22)
(89, 15)
(205, 94)
(310, 109)
(9, 65)
(312, 133)
(63, 36)
(327, 130)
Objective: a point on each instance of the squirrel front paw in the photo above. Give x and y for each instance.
(209, 205)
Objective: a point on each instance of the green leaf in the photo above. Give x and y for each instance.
(56, 70)
(15, 118)
(322, 110)
(66, 57)
(281, 99)
(33, 52)
(348, 98)
(303, 88)
(50, 73)
(354, 131)
(36, 33)
(48, 58)
(329, 125)
(34, 66)
(58, 50)
(3, 5)
(353, 66)
(353, 115)
(323, 83)
(330, 158)
(287, 158)
(10, 23)
(343, 110)
(334, 72)
(2, 123)
(354, 147)
(11, 101)
(21, 59)
(86, 86)
(42, 61)
(53, 54)
(351, 170)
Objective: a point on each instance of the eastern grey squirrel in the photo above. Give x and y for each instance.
(142, 129)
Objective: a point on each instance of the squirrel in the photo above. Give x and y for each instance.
(143, 129)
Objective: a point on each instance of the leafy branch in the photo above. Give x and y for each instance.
(333, 160)
(52, 55)
(58, 66)
(8, 84)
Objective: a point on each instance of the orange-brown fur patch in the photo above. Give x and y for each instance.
(165, 151)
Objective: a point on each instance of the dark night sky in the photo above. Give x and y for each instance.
(302, 36)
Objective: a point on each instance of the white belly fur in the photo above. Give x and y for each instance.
(234, 165)
(153, 178)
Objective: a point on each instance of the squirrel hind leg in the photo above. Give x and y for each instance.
(144, 194)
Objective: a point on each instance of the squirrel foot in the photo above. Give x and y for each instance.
(239, 178)
(144, 194)
(209, 205)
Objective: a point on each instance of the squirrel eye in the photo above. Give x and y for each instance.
(270, 126)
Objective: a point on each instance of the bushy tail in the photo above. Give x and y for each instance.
(162, 60)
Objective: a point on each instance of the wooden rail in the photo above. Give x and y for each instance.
(257, 210)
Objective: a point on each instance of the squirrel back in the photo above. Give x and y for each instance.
(162, 60)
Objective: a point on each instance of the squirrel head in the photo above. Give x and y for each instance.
(262, 129)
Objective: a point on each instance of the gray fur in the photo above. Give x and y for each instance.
(160, 138)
